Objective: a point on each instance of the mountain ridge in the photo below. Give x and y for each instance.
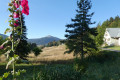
(4, 36)
(39, 41)
(43, 40)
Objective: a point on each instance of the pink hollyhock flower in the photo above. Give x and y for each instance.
(16, 15)
(16, 23)
(1, 47)
(25, 7)
(17, 4)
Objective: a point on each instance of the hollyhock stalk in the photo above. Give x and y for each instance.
(17, 8)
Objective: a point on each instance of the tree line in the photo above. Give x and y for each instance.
(109, 23)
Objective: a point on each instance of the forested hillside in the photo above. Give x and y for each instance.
(109, 23)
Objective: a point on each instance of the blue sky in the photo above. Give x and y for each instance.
(49, 17)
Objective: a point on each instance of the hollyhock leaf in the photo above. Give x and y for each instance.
(6, 74)
(7, 30)
(10, 9)
(1, 78)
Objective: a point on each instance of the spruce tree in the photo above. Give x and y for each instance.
(79, 34)
(23, 48)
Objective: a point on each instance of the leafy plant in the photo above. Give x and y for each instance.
(17, 8)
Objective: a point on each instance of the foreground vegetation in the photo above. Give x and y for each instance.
(100, 66)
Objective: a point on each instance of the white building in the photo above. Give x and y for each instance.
(112, 36)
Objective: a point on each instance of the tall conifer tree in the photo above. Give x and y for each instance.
(23, 48)
(79, 35)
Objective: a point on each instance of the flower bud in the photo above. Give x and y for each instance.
(10, 15)
(10, 4)
(12, 1)
(11, 25)
(13, 7)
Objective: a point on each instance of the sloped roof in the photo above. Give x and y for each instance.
(114, 32)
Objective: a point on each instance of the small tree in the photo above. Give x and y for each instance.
(79, 38)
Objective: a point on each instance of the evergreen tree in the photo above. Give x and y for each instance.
(111, 19)
(23, 48)
(78, 35)
(117, 18)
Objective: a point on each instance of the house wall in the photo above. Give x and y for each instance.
(114, 41)
(119, 41)
(107, 39)
(110, 41)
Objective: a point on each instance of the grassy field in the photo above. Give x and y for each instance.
(113, 47)
(100, 66)
(55, 53)
(49, 54)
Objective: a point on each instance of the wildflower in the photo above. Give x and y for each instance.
(17, 3)
(25, 7)
(1, 47)
(16, 23)
(16, 15)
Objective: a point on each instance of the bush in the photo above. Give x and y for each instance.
(36, 51)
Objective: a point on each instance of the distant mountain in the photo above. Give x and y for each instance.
(4, 36)
(43, 40)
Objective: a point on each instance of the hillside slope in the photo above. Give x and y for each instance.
(43, 40)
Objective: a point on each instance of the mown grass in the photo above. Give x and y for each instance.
(104, 65)
(113, 47)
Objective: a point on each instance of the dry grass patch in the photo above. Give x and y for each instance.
(55, 53)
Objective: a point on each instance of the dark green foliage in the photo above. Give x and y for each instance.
(80, 65)
(59, 73)
(111, 23)
(48, 72)
(102, 56)
(34, 48)
(23, 49)
(53, 43)
(36, 51)
(79, 37)
(32, 45)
